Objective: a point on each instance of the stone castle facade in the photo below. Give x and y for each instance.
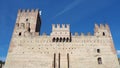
(60, 49)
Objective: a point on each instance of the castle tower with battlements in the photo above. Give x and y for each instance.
(60, 49)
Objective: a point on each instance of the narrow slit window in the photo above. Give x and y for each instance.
(68, 64)
(59, 61)
(54, 60)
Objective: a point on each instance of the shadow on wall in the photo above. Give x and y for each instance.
(119, 60)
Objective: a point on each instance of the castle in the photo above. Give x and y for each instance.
(60, 49)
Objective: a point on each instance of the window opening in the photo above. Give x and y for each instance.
(99, 60)
(20, 34)
(103, 33)
(27, 19)
(98, 50)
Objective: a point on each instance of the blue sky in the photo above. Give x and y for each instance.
(80, 14)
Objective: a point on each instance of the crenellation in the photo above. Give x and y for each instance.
(28, 11)
(58, 26)
(68, 26)
(82, 34)
(19, 10)
(96, 27)
(32, 10)
(63, 26)
(36, 10)
(53, 26)
(102, 26)
(107, 27)
(60, 49)
(88, 34)
(23, 10)
(76, 34)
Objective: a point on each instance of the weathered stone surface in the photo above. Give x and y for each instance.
(61, 49)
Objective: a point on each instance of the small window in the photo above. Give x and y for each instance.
(99, 60)
(98, 50)
(103, 33)
(27, 19)
(20, 34)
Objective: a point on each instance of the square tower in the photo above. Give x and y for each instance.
(61, 33)
(28, 23)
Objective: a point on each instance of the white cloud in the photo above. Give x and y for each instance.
(69, 7)
(118, 53)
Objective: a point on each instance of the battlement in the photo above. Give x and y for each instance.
(101, 26)
(28, 22)
(27, 10)
(102, 30)
(60, 26)
(60, 49)
(82, 34)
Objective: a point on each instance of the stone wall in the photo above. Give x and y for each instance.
(39, 52)
(31, 50)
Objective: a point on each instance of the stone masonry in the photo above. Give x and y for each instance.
(60, 49)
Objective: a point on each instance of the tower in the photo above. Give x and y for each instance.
(102, 30)
(28, 23)
(60, 49)
(61, 33)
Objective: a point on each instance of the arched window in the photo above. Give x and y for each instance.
(99, 60)
(67, 39)
(53, 39)
(57, 39)
(63, 39)
(60, 39)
